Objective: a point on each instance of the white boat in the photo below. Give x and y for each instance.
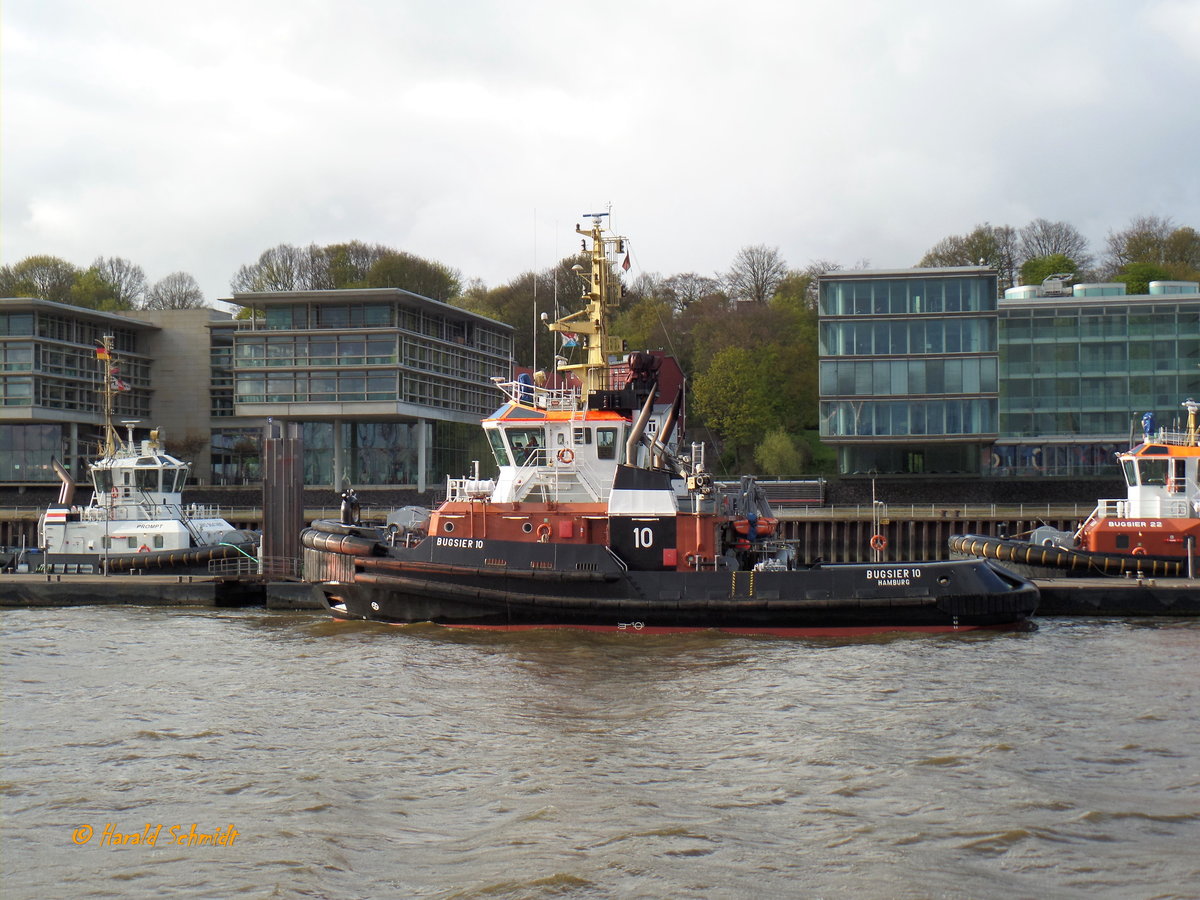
(136, 519)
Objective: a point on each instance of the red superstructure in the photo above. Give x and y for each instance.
(1160, 515)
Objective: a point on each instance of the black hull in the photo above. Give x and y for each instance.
(587, 587)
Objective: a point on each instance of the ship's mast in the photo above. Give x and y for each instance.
(104, 359)
(603, 296)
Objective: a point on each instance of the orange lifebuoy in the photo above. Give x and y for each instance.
(878, 542)
(143, 549)
(1139, 551)
(115, 493)
(566, 456)
(543, 532)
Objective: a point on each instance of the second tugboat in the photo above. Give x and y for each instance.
(598, 520)
(1153, 530)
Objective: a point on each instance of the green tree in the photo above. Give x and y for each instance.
(348, 265)
(411, 273)
(94, 291)
(44, 277)
(1039, 268)
(1137, 276)
(1155, 240)
(353, 264)
(1182, 253)
(795, 354)
(735, 399)
(646, 324)
(779, 455)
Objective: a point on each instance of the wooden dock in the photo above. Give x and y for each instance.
(155, 590)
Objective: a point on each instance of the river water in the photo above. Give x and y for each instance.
(327, 759)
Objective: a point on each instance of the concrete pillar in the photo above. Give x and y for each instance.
(422, 460)
(338, 453)
(73, 462)
(283, 491)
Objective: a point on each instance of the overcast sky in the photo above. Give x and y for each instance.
(195, 136)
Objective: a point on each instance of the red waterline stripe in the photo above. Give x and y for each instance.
(847, 631)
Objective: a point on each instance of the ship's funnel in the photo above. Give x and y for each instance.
(639, 427)
(66, 493)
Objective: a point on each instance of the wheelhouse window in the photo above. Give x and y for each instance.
(498, 449)
(606, 443)
(147, 475)
(1153, 472)
(528, 446)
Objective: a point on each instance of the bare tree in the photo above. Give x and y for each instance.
(178, 290)
(1144, 241)
(755, 273)
(350, 265)
(128, 281)
(282, 268)
(688, 287)
(987, 245)
(1044, 238)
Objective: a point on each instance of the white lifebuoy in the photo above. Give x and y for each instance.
(115, 493)
(566, 456)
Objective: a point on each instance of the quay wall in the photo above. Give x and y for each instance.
(916, 516)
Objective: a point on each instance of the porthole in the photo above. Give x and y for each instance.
(448, 527)
(527, 527)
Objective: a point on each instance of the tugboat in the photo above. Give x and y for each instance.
(599, 520)
(1152, 531)
(136, 520)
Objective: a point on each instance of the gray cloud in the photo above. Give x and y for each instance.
(476, 133)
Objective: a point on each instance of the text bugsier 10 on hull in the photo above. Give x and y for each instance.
(599, 519)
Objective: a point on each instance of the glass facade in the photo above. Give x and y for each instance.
(373, 453)
(1078, 375)
(360, 370)
(379, 363)
(50, 385)
(909, 369)
(26, 451)
(370, 351)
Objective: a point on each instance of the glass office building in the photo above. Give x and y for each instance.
(389, 386)
(923, 371)
(50, 385)
(1080, 370)
(909, 369)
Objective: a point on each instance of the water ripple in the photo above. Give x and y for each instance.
(367, 760)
